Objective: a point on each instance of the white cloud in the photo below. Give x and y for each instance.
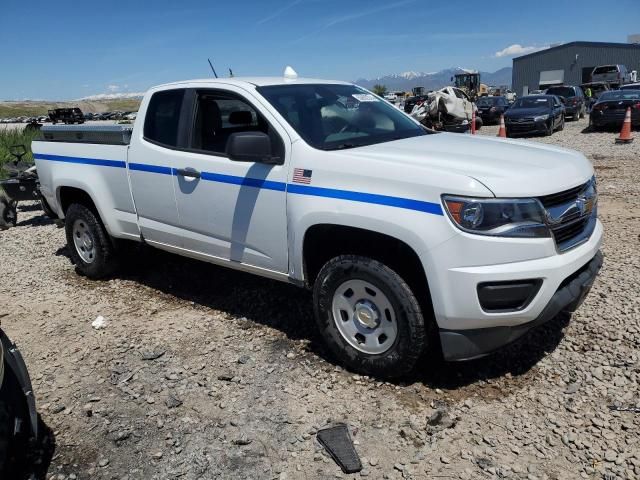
(516, 49)
(113, 88)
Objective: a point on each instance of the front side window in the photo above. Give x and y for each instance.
(220, 114)
(331, 117)
(163, 116)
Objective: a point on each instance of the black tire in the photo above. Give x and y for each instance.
(561, 126)
(103, 261)
(5, 435)
(549, 130)
(8, 212)
(479, 123)
(411, 341)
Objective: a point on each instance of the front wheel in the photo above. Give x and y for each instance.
(561, 126)
(368, 316)
(88, 242)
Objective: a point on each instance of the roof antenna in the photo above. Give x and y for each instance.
(213, 69)
(230, 73)
(290, 73)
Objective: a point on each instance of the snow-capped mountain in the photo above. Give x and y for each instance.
(405, 81)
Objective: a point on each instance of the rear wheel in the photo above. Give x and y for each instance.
(89, 244)
(368, 316)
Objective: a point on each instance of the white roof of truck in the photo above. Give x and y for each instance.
(258, 81)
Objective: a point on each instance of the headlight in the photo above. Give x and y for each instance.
(497, 217)
(541, 118)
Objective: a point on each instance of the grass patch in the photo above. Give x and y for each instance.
(11, 137)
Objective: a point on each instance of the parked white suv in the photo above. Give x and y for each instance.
(410, 240)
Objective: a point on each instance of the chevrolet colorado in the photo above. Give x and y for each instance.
(409, 239)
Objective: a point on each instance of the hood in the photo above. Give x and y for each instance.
(509, 168)
(527, 112)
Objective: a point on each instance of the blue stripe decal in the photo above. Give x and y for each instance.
(85, 161)
(244, 181)
(294, 188)
(373, 198)
(144, 167)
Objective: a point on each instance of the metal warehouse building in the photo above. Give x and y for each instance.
(570, 64)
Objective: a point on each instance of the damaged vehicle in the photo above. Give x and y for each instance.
(448, 109)
(18, 416)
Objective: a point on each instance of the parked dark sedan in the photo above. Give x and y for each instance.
(490, 108)
(574, 102)
(611, 108)
(535, 114)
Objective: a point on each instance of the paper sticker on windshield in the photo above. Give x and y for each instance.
(541, 100)
(364, 97)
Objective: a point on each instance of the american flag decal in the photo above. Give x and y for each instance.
(301, 175)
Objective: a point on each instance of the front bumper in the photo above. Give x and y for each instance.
(475, 343)
(527, 127)
(14, 363)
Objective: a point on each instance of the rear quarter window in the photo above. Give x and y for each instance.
(163, 117)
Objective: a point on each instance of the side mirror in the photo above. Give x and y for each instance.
(251, 147)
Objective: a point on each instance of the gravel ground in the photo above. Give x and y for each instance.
(201, 372)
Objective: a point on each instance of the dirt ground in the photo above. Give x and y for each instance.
(203, 372)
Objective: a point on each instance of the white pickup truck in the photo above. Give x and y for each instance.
(410, 240)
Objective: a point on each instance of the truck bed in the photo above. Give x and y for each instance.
(92, 159)
(98, 134)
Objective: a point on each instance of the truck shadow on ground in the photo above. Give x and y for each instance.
(289, 309)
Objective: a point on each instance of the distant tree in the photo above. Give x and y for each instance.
(380, 90)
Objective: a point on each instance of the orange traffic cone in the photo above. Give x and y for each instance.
(503, 131)
(625, 133)
(473, 122)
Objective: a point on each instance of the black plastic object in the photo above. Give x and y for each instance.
(337, 441)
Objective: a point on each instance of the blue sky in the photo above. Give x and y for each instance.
(70, 49)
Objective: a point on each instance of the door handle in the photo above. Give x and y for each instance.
(187, 172)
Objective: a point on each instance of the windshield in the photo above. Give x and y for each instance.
(561, 91)
(606, 69)
(620, 95)
(331, 117)
(488, 101)
(531, 102)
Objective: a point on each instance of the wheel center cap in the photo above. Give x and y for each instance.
(367, 314)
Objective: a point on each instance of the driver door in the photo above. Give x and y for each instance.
(229, 210)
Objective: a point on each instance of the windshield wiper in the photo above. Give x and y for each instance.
(343, 146)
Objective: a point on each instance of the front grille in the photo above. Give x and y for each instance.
(571, 224)
(568, 231)
(562, 197)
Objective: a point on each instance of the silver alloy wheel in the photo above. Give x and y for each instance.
(83, 241)
(364, 316)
